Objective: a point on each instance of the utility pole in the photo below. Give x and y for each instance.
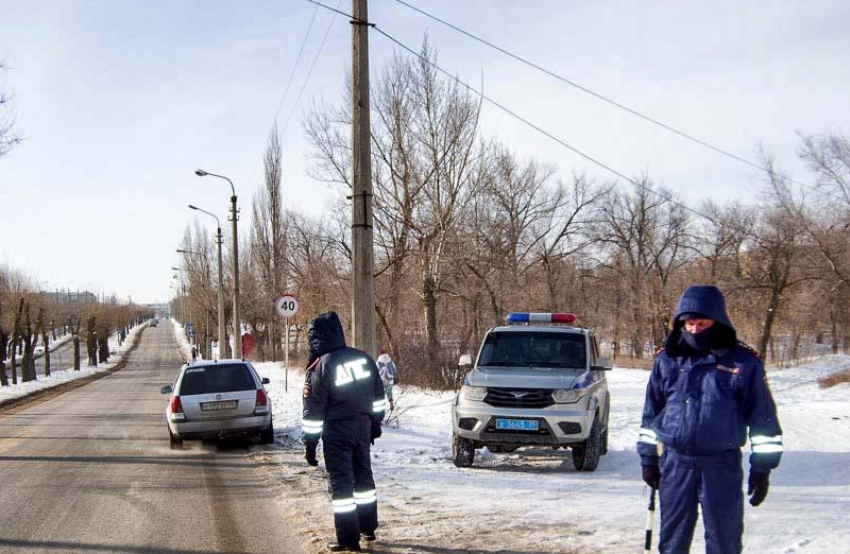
(237, 330)
(362, 263)
(223, 347)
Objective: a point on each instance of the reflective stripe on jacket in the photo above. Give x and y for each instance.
(705, 404)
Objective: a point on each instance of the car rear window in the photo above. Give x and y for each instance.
(530, 349)
(216, 378)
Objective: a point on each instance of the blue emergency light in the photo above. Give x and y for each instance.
(527, 317)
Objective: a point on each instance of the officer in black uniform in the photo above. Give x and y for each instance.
(343, 405)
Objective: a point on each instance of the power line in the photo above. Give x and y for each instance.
(541, 130)
(289, 81)
(312, 65)
(297, 62)
(536, 127)
(603, 98)
(586, 89)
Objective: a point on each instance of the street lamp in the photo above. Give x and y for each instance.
(222, 332)
(237, 331)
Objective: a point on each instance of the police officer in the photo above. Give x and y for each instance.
(343, 405)
(705, 393)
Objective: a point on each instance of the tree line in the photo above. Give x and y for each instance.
(466, 230)
(32, 319)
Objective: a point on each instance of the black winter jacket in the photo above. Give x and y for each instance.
(342, 383)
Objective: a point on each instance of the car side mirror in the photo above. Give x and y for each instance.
(265, 380)
(166, 389)
(465, 361)
(603, 363)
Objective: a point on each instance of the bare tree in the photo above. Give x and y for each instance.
(268, 237)
(8, 138)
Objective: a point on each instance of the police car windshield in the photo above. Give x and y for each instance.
(534, 349)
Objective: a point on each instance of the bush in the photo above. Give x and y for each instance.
(835, 379)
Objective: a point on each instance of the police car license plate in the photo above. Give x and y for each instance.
(218, 405)
(517, 424)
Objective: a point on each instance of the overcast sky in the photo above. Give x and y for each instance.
(118, 103)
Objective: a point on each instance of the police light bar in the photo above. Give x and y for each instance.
(526, 317)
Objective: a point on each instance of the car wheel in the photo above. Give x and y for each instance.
(267, 434)
(174, 441)
(463, 451)
(586, 455)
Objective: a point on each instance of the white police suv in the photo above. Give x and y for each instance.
(539, 381)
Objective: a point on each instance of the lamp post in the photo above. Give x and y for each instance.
(237, 331)
(222, 330)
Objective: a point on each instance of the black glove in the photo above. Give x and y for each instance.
(757, 487)
(652, 476)
(376, 430)
(310, 453)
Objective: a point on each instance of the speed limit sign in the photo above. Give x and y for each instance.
(286, 305)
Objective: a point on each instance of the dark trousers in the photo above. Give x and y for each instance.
(349, 464)
(715, 483)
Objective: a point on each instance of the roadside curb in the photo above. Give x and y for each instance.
(14, 405)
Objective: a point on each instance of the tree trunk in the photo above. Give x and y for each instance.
(91, 341)
(45, 338)
(13, 362)
(103, 349)
(770, 316)
(388, 332)
(834, 335)
(28, 364)
(432, 342)
(4, 342)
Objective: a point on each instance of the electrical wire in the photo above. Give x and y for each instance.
(597, 95)
(522, 119)
(297, 62)
(312, 65)
(289, 82)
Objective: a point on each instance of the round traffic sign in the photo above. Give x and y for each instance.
(286, 305)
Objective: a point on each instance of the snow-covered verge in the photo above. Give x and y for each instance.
(535, 501)
(183, 343)
(63, 375)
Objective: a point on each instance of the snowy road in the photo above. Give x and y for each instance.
(535, 501)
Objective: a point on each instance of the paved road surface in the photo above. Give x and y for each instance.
(92, 471)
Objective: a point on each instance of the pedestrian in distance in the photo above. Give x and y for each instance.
(343, 406)
(194, 354)
(386, 367)
(707, 392)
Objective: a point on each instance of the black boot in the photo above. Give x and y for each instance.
(336, 547)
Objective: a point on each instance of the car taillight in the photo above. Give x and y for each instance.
(262, 399)
(175, 406)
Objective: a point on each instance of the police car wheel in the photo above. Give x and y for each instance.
(586, 455)
(463, 451)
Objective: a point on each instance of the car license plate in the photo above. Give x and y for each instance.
(517, 424)
(218, 405)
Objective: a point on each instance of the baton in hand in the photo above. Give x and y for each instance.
(650, 522)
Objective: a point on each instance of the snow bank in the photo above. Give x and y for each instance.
(534, 499)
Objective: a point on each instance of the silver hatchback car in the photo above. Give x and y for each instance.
(217, 399)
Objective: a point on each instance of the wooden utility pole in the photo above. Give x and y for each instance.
(362, 263)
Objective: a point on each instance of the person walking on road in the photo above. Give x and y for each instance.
(194, 354)
(706, 392)
(343, 406)
(387, 369)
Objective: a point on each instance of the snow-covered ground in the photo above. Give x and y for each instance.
(535, 501)
(60, 375)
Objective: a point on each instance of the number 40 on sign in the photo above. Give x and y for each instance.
(286, 305)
